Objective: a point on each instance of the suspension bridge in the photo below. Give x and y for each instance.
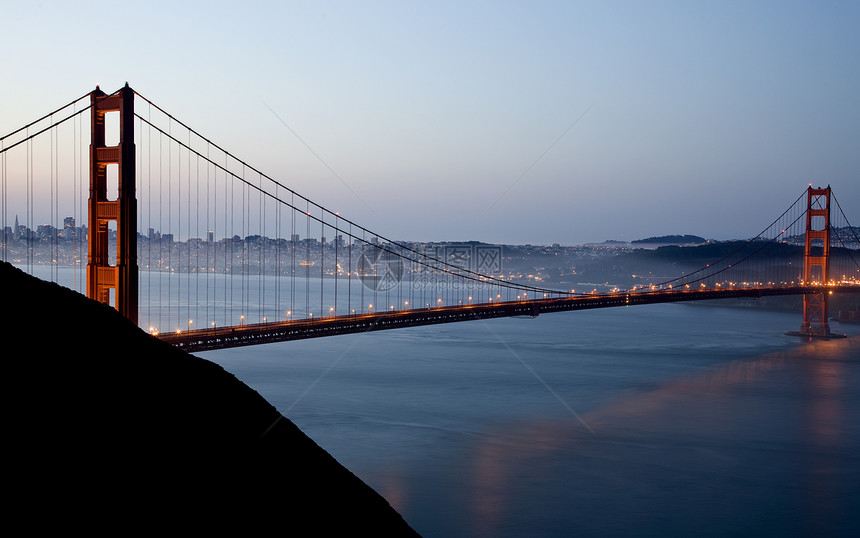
(205, 251)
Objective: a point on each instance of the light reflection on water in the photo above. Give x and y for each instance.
(691, 456)
(705, 421)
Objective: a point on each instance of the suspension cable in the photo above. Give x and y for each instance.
(455, 271)
(747, 243)
(850, 228)
(48, 115)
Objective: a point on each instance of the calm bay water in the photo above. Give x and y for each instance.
(674, 419)
(653, 420)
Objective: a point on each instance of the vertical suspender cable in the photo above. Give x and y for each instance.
(177, 237)
(242, 242)
(307, 263)
(139, 177)
(197, 247)
(262, 248)
(349, 272)
(210, 317)
(169, 228)
(277, 271)
(228, 215)
(3, 205)
(322, 263)
(53, 260)
(151, 267)
(336, 241)
(228, 247)
(293, 246)
(188, 237)
(29, 227)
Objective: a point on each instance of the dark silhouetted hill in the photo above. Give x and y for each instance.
(671, 240)
(109, 429)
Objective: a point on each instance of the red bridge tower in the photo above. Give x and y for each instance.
(816, 256)
(102, 277)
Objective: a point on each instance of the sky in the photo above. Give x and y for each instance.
(507, 122)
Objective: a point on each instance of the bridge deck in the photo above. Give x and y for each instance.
(260, 333)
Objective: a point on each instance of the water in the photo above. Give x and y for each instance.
(674, 419)
(653, 420)
(169, 300)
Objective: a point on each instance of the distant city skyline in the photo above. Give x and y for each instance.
(508, 123)
(69, 229)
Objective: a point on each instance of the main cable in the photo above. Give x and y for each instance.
(457, 271)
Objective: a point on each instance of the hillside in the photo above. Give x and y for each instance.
(107, 425)
(685, 239)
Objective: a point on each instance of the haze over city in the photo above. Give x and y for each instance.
(547, 122)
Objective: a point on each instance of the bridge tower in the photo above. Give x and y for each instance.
(816, 256)
(102, 277)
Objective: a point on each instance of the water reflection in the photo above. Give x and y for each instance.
(826, 441)
(464, 441)
(825, 385)
(758, 436)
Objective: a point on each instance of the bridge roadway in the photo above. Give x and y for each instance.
(262, 333)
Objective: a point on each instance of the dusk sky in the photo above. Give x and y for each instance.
(506, 122)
